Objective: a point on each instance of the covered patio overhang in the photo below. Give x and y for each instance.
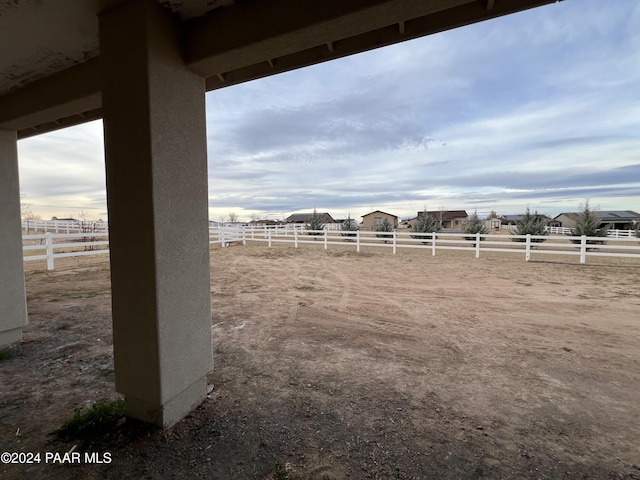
(143, 66)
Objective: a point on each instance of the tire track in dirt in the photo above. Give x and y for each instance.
(254, 276)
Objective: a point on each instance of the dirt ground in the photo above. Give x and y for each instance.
(334, 364)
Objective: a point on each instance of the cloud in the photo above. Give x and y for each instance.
(536, 108)
(63, 172)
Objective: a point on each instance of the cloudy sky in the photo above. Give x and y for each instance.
(538, 109)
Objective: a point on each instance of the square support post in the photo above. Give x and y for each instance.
(157, 196)
(13, 303)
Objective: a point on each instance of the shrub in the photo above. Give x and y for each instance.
(5, 354)
(91, 422)
(315, 223)
(530, 224)
(474, 226)
(424, 224)
(588, 223)
(385, 228)
(349, 227)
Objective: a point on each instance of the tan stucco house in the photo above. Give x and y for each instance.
(448, 219)
(619, 219)
(371, 221)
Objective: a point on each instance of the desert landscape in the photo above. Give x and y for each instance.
(336, 364)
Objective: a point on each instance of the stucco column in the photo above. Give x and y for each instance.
(156, 161)
(13, 304)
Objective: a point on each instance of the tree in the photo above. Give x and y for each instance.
(233, 217)
(441, 211)
(349, 227)
(315, 223)
(385, 228)
(588, 223)
(26, 213)
(530, 224)
(493, 214)
(474, 226)
(424, 224)
(87, 225)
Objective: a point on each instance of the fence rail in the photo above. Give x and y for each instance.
(77, 226)
(613, 233)
(64, 226)
(527, 245)
(50, 246)
(56, 245)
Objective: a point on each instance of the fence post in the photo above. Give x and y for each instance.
(221, 235)
(527, 255)
(269, 235)
(583, 249)
(478, 245)
(295, 238)
(394, 241)
(325, 238)
(244, 236)
(358, 241)
(49, 245)
(433, 244)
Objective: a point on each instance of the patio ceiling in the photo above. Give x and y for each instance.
(50, 54)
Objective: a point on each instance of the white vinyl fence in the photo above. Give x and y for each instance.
(527, 245)
(49, 246)
(63, 226)
(610, 233)
(615, 233)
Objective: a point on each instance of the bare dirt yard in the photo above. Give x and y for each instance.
(334, 364)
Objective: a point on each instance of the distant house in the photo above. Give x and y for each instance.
(306, 218)
(616, 220)
(340, 222)
(371, 221)
(448, 219)
(510, 219)
(262, 223)
(408, 223)
(514, 219)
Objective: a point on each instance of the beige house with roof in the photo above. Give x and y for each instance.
(618, 219)
(371, 221)
(448, 219)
